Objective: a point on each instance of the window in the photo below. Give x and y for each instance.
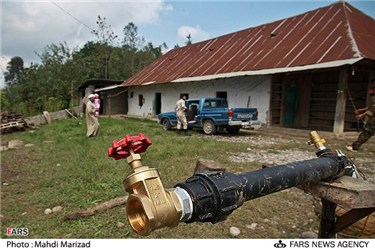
(206, 104)
(193, 103)
(221, 104)
(141, 100)
(215, 104)
(221, 94)
(131, 94)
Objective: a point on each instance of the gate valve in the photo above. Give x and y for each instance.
(149, 206)
(128, 146)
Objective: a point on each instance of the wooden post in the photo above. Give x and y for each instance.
(284, 81)
(327, 220)
(356, 196)
(368, 97)
(338, 126)
(109, 105)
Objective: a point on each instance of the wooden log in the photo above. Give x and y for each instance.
(97, 208)
(346, 192)
(67, 111)
(47, 116)
(11, 124)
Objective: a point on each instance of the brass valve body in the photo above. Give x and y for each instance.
(316, 140)
(149, 205)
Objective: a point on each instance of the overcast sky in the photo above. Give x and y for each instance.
(27, 27)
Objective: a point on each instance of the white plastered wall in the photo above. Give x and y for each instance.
(242, 92)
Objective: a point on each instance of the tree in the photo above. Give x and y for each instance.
(148, 54)
(14, 69)
(189, 42)
(131, 38)
(55, 54)
(49, 85)
(90, 60)
(52, 84)
(5, 105)
(106, 37)
(132, 42)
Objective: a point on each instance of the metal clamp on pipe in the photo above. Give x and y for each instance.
(149, 205)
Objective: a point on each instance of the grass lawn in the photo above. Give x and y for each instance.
(65, 168)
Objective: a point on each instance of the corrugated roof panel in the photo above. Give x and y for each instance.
(334, 33)
(363, 31)
(305, 41)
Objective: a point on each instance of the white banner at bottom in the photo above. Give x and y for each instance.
(176, 244)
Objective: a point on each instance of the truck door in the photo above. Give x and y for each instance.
(217, 109)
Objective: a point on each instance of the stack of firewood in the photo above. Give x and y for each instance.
(12, 121)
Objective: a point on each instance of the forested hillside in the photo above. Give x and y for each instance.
(53, 83)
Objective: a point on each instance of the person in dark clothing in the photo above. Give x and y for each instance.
(368, 116)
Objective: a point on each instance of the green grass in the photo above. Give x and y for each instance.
(65, 168)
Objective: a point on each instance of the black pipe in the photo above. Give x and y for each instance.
(215, 195)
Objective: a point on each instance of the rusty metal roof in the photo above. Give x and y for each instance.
(337, 32)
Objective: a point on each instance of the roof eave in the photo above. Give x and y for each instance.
(109, 88)
(325, 65)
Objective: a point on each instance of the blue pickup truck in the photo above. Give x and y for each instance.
(212, 115)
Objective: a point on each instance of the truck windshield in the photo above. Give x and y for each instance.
(215, 103)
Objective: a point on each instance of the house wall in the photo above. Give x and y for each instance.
(89, 90)
(247, 91)
(84, 98)
(114, 101)
(317, 100)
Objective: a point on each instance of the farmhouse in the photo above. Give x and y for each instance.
(307, 71)
(89, 86)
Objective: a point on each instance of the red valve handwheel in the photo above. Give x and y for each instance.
(121, 149)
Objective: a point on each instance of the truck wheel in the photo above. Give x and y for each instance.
(166, 124)
(209, 127)
(233, 131)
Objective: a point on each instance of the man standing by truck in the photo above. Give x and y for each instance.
(182, 125)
